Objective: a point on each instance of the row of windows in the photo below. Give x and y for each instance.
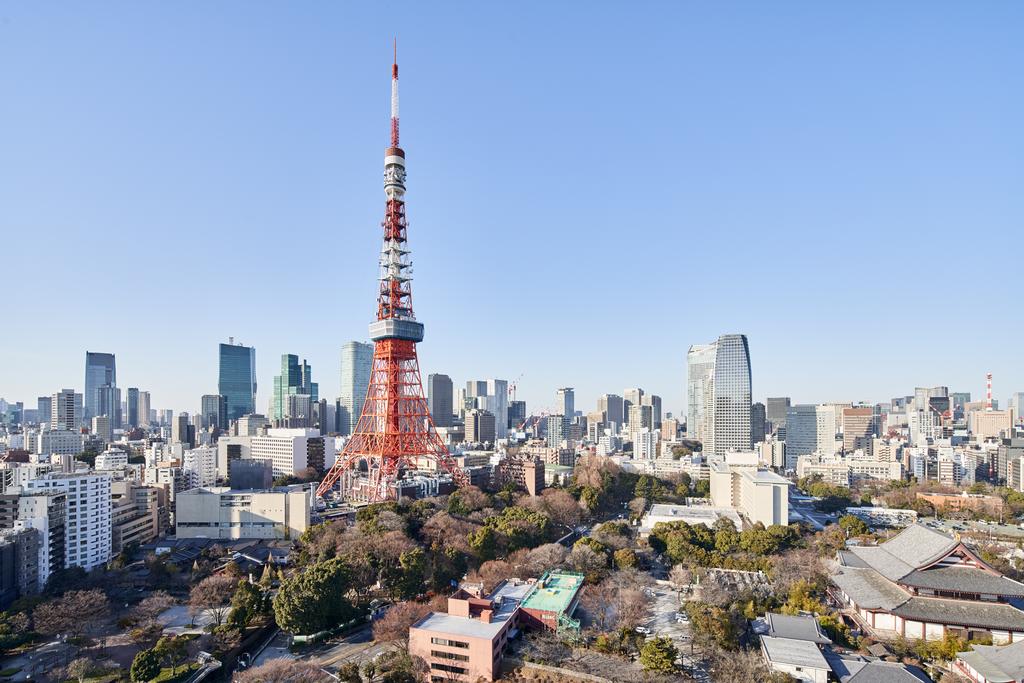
(449, 668)
(449, 655)
(449, 643)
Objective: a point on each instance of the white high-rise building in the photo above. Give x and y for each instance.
(645, 444)
(199, 467)
(66, 410)
(356, 363)
(88, 534)
(497, 403)
(700, 372)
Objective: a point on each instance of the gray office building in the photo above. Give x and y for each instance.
(439, 399)
(775, 411)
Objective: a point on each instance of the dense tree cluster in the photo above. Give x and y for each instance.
(722, 546)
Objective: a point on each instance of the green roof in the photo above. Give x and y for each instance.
(553, 592)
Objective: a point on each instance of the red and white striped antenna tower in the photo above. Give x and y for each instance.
(988, 391)
(394, 432)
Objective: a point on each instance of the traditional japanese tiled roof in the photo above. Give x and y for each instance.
(963, 580)
(869, 589)
(801, 653)
(795, 628)
(997, 615)
(998, 664)
(918, 545)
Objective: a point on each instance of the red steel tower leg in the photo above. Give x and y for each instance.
(395, 430)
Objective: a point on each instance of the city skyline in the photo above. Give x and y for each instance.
(921, 176)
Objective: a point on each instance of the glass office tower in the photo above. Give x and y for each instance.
(731, 424)
(237, 379)
(100, 372)
(356, 361)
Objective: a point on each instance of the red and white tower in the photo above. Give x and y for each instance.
(988, 391)
(395, 430)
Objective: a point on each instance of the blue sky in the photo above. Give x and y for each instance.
(593, 187)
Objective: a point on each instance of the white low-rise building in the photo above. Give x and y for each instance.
(224, 513)
(759, 495)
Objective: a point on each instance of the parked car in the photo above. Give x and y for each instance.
(644, 630)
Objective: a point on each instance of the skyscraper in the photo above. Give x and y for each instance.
(497, 403)
(776, 410)
(730, 427)
(132, 418)
(356, 360)
(66, 410)
(611, 406)
(630, 397)
(100, 371)
(214, 410)
(439, 399)
(566, 402)
(44, 404)
(144, 411)
(654, 401)
(700, 371)
(237, 378)
(757, 422)
(296, 379)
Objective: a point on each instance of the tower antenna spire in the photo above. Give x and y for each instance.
(394, 98)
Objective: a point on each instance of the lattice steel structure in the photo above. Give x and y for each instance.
(395, 430)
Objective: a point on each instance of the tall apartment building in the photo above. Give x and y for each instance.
(88, 532)
(356, 362)
(556, 430)
(497, 403)
(199, 467)
(236, 380)
(66, 411)
(439, 399)
(46, 513)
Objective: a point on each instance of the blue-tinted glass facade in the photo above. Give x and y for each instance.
(237, 379)
(100, 371)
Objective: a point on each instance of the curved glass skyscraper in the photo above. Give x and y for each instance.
(731, 424)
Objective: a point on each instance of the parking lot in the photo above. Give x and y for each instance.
(663, 622)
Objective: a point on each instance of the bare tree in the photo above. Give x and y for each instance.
(153, 606)
(75, 612)
(393, 627)
(213, 595)
(80, 669)
(284, 671)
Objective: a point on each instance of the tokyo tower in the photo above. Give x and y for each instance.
(395, 430)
